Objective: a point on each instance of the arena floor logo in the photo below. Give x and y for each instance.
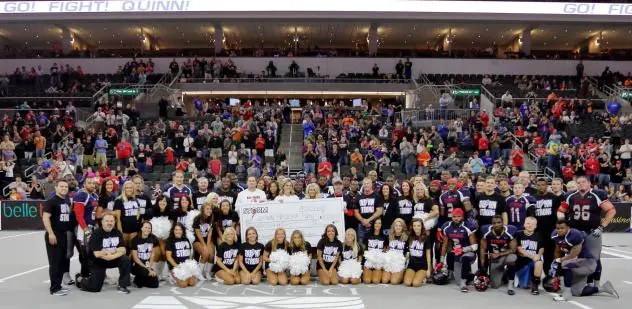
(212, 302)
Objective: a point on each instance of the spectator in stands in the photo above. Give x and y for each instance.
(408, 68)
(444, 101)
(506, 99)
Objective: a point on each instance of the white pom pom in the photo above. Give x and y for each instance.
(191, 214)
(186, 270)
(190, 236)
(299, 263)
(428, 224)
(160, 227)
(374, 259)
(279, 261)
(350, 269)
(394, 262)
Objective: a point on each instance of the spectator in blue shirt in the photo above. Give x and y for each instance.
(488, 160)
(100, 149)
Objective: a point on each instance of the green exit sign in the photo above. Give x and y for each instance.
(465, 92)
(123, 92)
(626, 95)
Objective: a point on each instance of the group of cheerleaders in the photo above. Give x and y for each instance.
(246, 262)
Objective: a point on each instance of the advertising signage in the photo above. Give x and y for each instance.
(378, 6)
(21, 215)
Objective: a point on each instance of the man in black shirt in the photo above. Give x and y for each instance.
(546, 206)
(490, 204)
(224, 192)
(108, 251)
(58, 221)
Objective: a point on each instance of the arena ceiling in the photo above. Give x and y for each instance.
(324, 34)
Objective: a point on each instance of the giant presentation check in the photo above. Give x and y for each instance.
(307, 216)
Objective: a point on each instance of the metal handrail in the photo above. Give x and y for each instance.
(298, 80)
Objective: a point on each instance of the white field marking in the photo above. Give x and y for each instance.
(617, 250)
(576, 303)
(628, 282)
(19, 235)
(2, 280)
(627, 257)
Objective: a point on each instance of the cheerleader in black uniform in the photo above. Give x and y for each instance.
(226, 217)
(298, 244)
(397, 241)
(251, 258)
(127, 212)
(178, 251)
(351, 250)
(419, 259)
(180, 215)
(226, 267)
(162, 208)
(375, 241)
(405, 202)
(279, 242)
(328, 251)
(145, 249)
(203, 244)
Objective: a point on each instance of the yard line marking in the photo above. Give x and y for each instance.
(19, 235)
(2, 280)
(618, 250)
(627, 257)
(576, 303)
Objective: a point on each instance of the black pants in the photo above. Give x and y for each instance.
(142, 277)
(57, 260)
(94, 283)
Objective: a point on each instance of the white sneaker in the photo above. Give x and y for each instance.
(559, 297)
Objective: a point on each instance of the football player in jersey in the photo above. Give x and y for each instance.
(177, 190)
(583, 209)
(545, 211)
(576, 263)
(519, 206)
(453, 199)
(530, 250)
(459, 245)
(84, 204)
(499, 245)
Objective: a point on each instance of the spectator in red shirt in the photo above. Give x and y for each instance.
(568, 172)
(183, 165)
(592, 168)
(124, 152)
(325, 168)
(260, 145)
(517, 157)
(484, 119)
(169, 156)
(537, 139)
(215, 167)
(483, 144)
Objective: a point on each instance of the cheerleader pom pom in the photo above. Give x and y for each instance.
(187, 270)
(160, 227)
(374, 259)
(279, 261)
(190, 236)
(350, 269)
(299, 263)
(394, 262)
(191, 214)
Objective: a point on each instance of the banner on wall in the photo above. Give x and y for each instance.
(308, 216)
(621, 221)
(378, 6)
(21, 215)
